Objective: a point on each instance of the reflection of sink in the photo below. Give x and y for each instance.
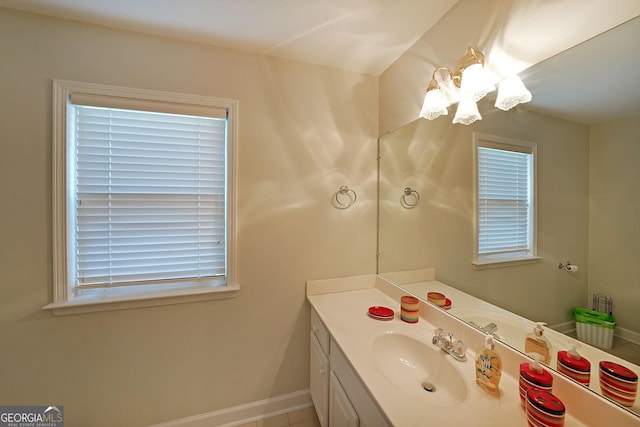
(409, 363)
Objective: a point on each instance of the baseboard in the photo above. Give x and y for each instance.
(625, 334)
(628, 335)
(565, 327)
(246, 413)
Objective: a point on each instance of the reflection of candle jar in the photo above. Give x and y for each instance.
(436, 298)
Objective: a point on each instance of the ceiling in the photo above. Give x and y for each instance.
(595, 81)
(367, 36)
(358, 35)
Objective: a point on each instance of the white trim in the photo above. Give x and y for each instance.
(623, 333)
(63, 303)
(246, 413)
(481, 265)
(147, 299)
(628, 335)
(564, 327)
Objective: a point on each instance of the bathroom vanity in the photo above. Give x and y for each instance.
(369, 372)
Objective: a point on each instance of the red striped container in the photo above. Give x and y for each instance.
(544, 409)
(574, 366)
(530, 377)
(618, 383)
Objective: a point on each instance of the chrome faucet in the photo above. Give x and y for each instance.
(457, 349)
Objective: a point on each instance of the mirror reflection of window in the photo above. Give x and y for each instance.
(505, 200)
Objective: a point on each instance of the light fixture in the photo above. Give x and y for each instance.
(469, 83)
(511, 92)
(434, 104)
(439, 95)
(474, 81)
(467, 111)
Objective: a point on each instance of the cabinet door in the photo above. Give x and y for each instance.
(341, 412)
(319, 381)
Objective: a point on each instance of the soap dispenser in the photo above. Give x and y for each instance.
(536, 342)
(532, 374)
(488, 367)
(573, 365)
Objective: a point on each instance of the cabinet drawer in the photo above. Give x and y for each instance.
(320, 331)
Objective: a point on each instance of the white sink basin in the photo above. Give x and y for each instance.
(409, 363)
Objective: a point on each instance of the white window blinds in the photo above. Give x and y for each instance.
(150, 192)
(504, 202)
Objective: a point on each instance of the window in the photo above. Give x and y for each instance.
(504, 201)
(143, 197)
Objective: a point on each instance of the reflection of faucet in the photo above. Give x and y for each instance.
(489, 328)
(456, 349)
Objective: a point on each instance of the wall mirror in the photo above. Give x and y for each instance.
(588, 205)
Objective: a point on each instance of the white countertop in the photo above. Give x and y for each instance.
(344, 313)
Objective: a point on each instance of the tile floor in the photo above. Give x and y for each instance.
(625, 350)
(305, 417)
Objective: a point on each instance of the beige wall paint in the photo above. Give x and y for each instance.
(614, 227)
(436, 159)
(304, 130)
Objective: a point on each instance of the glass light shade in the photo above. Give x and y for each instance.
(467, 111)
(512, 92)
(450, 92)
(475, 82)
(434, 105)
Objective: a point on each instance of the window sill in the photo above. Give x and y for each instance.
(506, 262)
(137, 300)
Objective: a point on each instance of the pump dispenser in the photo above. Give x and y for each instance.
(536, 342)
(573, 365)
(488, 367)
(532, 374)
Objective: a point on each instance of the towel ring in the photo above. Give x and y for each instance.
(345, 197)
(410, 198)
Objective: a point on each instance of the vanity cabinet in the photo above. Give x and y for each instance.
(319, 369)
(339, 397)
(341, 412)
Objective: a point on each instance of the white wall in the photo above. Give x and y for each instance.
(614, 227)
(304, 130)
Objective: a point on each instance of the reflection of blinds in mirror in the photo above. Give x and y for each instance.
(504, 202)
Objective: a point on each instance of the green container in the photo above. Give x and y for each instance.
(596, 318)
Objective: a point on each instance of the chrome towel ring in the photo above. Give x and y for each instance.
(410, 198)
(345, 197)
